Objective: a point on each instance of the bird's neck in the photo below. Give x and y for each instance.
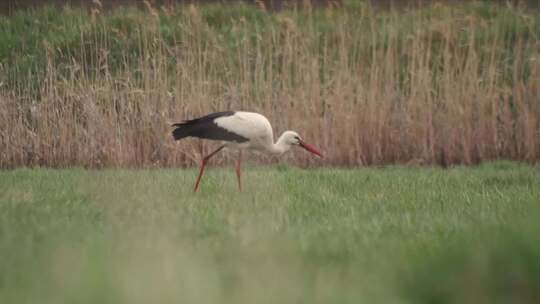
(280, 146)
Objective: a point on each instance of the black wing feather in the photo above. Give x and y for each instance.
(205, 127)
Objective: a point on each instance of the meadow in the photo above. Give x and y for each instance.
(440, 84)
(96, 202)
(388, 235)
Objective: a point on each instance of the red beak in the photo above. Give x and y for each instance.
(310, 148)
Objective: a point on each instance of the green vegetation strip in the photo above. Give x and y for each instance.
(70, 40)
(390, 235)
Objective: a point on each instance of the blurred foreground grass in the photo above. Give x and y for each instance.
(392, 235)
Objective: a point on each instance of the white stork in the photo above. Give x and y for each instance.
(238, 130)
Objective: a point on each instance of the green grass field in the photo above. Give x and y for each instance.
(389, 235)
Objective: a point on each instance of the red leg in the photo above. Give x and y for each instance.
(238, 170)
(203, 164)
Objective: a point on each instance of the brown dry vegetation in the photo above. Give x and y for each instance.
(438, 85)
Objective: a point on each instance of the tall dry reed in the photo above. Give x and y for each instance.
(441, 85)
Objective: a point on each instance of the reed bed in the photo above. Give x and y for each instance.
(437, 85)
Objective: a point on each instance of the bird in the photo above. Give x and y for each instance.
(238, 130)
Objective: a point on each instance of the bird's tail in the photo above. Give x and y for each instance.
(181, 130)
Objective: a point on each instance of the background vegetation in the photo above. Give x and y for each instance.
(439, 84)
(394, 235)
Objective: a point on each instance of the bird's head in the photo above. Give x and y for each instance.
(292, 138)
